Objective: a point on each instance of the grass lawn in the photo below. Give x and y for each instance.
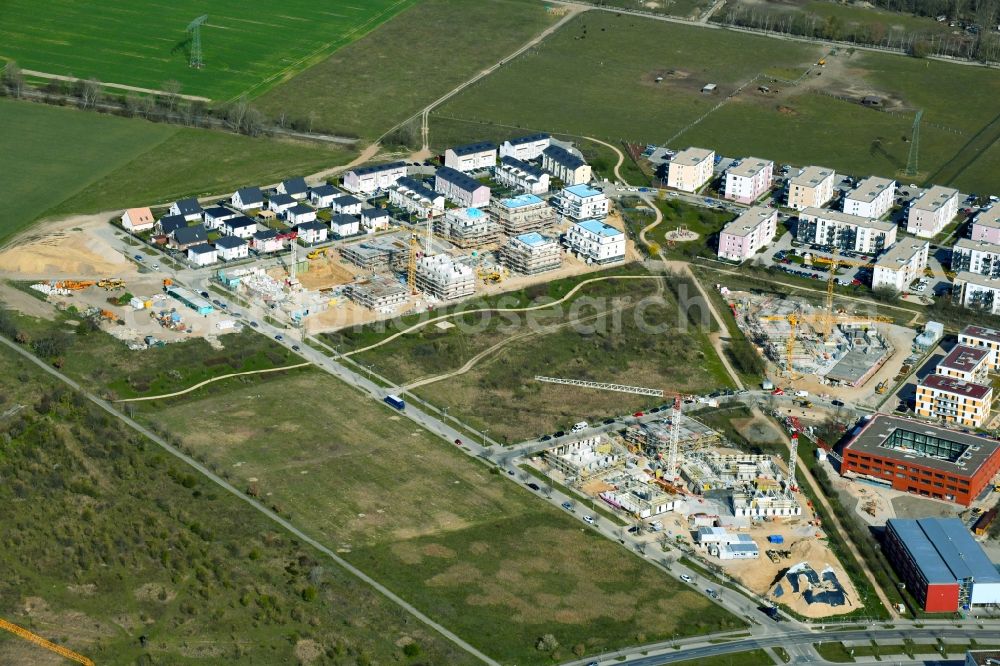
(247, 46)
(834, 651)
(112, 539)
(407, 63)
(748, 658)
(468, 546)
(59, 152)
(623, 55)
(70, 161)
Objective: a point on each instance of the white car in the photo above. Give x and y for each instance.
(685, 578)
(589, 520)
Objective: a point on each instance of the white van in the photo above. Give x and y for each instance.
(802, 394)
(582, 425)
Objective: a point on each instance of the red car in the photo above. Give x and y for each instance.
(777, 391)
(638, 414)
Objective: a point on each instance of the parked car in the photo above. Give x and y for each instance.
(544, 438)
(638, 414)
(559, 433)
(533, 485)
(608, 421)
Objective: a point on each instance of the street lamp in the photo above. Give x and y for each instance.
(486, 433)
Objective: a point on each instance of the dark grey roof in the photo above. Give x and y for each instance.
(239, 222)
(266, 234)
(281, 199)
(372, 213)
(563, 157)
(250, 195)
(473, 148)
(218, 211)
(944, 550)
(531, 138)
(171, 223)
(203, 248)
(299, 209)
(347, 200)
(189, 235)
(189, 206)
(229, 242)
(342, 219)
(418, 186)
(324, 190)
(378, 168)
(315, 225)
(523, 166)
(459, 179)
(295, 186)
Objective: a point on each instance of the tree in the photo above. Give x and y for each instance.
(90, 93)
(171, 90)
(13, 79)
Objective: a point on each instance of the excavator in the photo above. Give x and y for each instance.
(110, 284)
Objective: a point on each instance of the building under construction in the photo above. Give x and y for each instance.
(378, 254)
(441, 276)
(467, 227)
(523, 214)
(379, 292)
(531, 254)
(799, 339)
(580, 460)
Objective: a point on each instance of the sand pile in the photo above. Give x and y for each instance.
(64, 254)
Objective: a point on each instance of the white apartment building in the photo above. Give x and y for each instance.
(691, 169)
(471, 157)
(872, 197)
(371, 179)
(932, 212)
(903, 263)
(520, 175)
(966, 362)
(983, 338)
(747, 234)
(523, 214)
(531, 254)
(568, 167)
(976, 257)
(847, 232)
(976, 291)
(440, 276)
(461, 188)
(749, 180)
(811, 188)
(596, 242)
(525, 147)
(415, 197)
(986, 226)
(953, 400)
(582, 202)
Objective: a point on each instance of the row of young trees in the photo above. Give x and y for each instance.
(168, 106)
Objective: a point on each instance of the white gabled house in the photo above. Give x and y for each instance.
(214, 217)
(230, 248)
(299, 214)
(294, 187)
(343, 226)
(137, 220)
(247, 198)
(312, 232)
(375, 219)
(279, 203)
(323, 196)
(189, 209)
(266, 241)
(346, 205)
(202, 254)
(240, 227)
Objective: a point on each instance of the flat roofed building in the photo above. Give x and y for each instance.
(461, 188)
(932, 212)
(690, 169)
(467, 227)
(568, 167)
(872, 197)
(582, 202)
(901, 264)
(379, 293)
(520, 175)
(977, 292)
(747, 234)
(920, 458)
(749, 180)
(953, 400)
(471, 157)
(596, 242)
(378, 254)
(941, 563)
(986, 226)
(523, 214)
(966, 362)
(812, 187)
(416, 198)
(442, 277)
(531, 254)
(845, 231)
(976, 257)
(983, 338)
(525, 147)
(371, 179)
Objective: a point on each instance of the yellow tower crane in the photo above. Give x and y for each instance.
(835, 262)
(823, 319)
(41, 642)
(411, 269)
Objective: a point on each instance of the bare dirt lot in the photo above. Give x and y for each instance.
(76, 247)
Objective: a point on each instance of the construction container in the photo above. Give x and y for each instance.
(775, 538)
(984, 522)
(137, 303)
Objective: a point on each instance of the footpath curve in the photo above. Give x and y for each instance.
(215, 379)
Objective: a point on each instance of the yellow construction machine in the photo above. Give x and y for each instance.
(41, 642)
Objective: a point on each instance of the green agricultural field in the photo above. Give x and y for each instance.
(69, 161)
(816, 120)
(121, 553)
(468, 546)
(366, 88)
(247, 46)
